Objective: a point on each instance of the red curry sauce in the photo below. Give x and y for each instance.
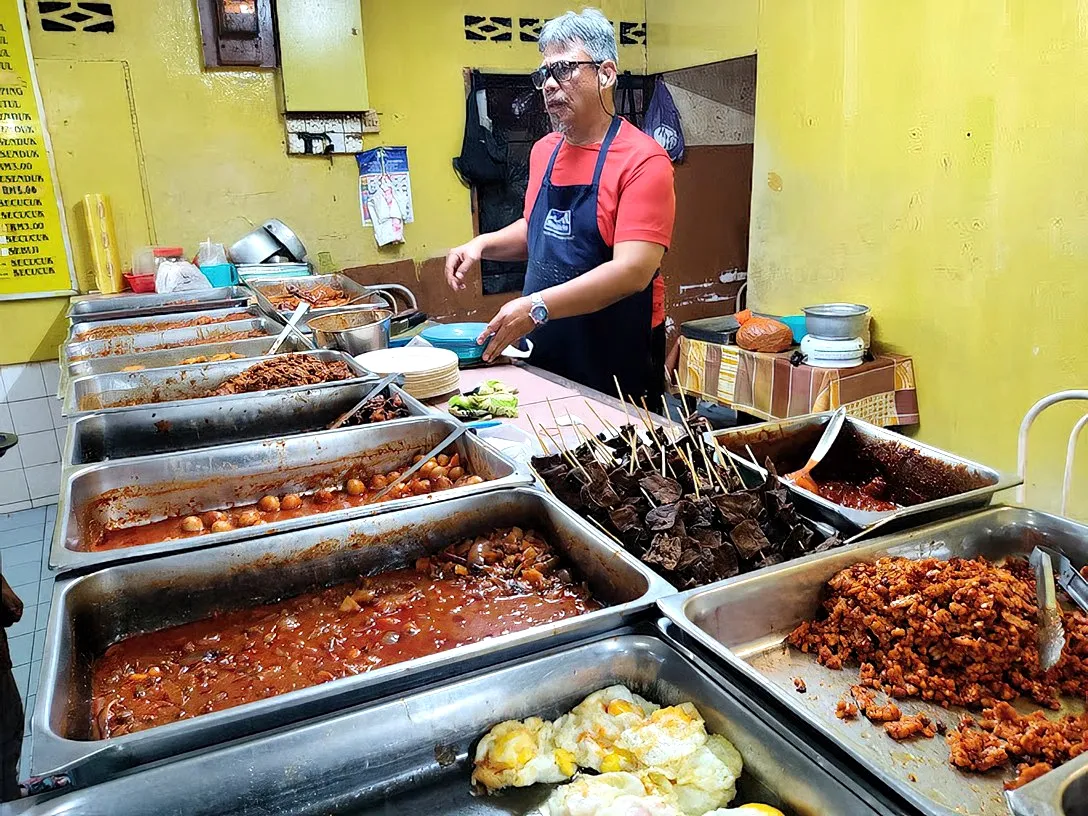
(480, 588)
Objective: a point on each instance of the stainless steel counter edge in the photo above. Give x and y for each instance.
(62, 559)
(53, 753)
(622, 655)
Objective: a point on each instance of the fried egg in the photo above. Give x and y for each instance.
(591, 729)
(609, 794)
(748, 810)
(519, 754)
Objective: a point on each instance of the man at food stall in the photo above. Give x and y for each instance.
(598, 217)
(11, 706)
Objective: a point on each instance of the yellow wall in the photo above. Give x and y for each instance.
(931, 162)
(685, 33)
(210, 144)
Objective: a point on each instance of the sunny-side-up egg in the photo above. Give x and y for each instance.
(676, 758)
(519, 754)
(589, 732)
(610, 794)
(748, 810)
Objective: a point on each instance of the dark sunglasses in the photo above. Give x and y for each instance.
(561, 71)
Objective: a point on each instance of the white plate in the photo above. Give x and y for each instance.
(409, 360)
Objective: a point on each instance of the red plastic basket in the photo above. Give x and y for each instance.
(140, 283)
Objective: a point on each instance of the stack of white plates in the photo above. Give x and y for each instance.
(428, 372)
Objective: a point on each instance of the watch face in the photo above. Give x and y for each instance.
(539, 313)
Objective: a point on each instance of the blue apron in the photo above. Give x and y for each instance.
(565, 242)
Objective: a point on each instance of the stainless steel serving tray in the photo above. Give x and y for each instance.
(165, 358)
(745, 621)
(112, 307)
(151, 341)
(194, 424)
(135, 491)
(1062, 792)
(767, 435)
(140, 325)
(262, 289)
(413, 755)
(175, 384)
(91, 612)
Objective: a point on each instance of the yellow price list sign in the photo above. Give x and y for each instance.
(34, 257)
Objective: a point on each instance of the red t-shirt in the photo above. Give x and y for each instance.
(635, 200)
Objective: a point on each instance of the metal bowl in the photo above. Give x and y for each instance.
(837, 321)
(355, 331)
(258, 246)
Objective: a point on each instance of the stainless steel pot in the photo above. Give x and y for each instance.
(256, 247)
(355, 331)
(837, 321)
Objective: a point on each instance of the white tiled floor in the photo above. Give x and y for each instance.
(24, 560)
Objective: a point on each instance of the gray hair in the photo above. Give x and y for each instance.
(589, 29)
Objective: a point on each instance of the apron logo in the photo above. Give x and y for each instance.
(557, 223)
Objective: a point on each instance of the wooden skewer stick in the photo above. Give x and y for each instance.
(566, 453)
(751, 455)
(722, 452)
(663, 463)
(604, 529)
(634, 455)
(690, 460)
(608, 426)
(540, 479)
(649, 498)
(683, 397)
(619, 393)
(544, 448)
(711, 469)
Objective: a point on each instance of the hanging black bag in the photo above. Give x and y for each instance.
(483, 154)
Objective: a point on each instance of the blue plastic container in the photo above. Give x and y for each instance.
(797, 326)
(221, 274)
(460, 338)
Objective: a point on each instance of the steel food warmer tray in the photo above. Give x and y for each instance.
(792, 440)
(134, 491)
(121, 306)
(248, 348)
(194, 424)
(178, 384)
(744, 622)
(191, 337)
(361, 296)
(78, 332)
(92, 611)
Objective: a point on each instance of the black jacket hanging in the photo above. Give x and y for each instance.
(483, 154)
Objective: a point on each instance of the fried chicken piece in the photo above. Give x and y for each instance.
(799, 684)
(846, 710)
(911, 725)
(1028, 773)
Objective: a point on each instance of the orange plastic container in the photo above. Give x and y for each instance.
(140, 283)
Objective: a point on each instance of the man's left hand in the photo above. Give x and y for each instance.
(507, 327)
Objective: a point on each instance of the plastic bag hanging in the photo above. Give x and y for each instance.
(663, 122)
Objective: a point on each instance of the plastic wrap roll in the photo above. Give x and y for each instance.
(103, 237)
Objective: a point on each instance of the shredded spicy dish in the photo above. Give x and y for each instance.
(505, 581)
(209, 337)
(439, 473)
(283, 371)
(123, 330)
(319, 297)
(957, 632)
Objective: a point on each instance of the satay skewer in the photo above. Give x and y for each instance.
(683, 399)
(608, 426)
(540, 440)
(711, 469)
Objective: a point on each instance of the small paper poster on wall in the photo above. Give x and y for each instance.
(385, 167)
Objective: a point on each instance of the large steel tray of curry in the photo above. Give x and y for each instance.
(917, 654)
(175, 385)
(414, 754)
(870, 476)
(128, 326)
(212, 352)
(133, 508)
(193, 424)
(130, 304)
(157, 657)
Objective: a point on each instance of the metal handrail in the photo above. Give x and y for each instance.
(1022, 440)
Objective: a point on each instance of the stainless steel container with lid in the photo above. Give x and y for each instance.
(92, 611)
(112, 307)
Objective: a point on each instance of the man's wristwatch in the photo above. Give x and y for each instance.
(538, 310)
